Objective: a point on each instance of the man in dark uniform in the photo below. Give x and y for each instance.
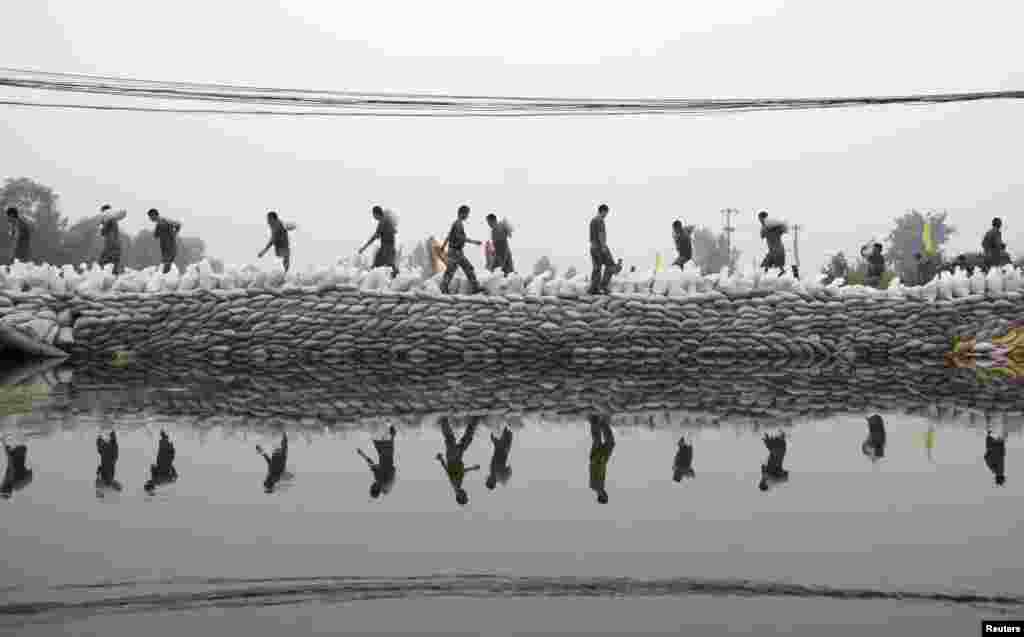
(454, 450)
(992, 245)
(166, 232)
(600, 256)
(684, 243)
(278, 240)
(456, 243)
(776, 257)
(111, 242)
(386, 231)
(502, 251)
(876, 267)
(602, 443)
(925, 268)
(384, 470)
(21, 236)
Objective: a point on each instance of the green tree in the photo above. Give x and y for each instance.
(906, 240)
(40, 206)
(711, 251)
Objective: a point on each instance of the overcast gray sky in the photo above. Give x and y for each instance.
(843, 174)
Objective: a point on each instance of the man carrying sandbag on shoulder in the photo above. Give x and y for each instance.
(111, 233)
(772, 231)
(456, 243)
(166, 232)
(387, 228)
(600, 256)
(500, 233)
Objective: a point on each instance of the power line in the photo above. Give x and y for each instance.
(363, 104)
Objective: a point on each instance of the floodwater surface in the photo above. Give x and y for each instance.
(923, 531)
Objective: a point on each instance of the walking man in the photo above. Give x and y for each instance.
(771, 232)
(992, 245)
(683, 238)
(111, 233)
(166, 232)
(386, 231)
(278, 240)
(456, 244)
(500, 233)
(21, 236)
(500, 469)
(275, 464)
(600, 256)
(876, 267)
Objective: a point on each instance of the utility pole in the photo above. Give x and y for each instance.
(728, 229)
(796, 245)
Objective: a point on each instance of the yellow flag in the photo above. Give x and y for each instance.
(926, 238)
(659, 263)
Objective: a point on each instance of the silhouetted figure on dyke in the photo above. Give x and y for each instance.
(602, 443)
(500, 469)
(683, 238)
(876, 266)
(384, 469)
(17, 475)
(20, 236)
(992, 245)
(682, 465)
(772, 472)
(166, 234)
(602, 262)
(105, 472)
(452, 460)
(995, 456)
(278, 240)
(874, 445)
(275, 463)
(163, 472)
(456, 244)
(772, 233)
(502, 251)
(385, 232)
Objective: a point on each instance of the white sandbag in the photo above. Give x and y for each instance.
(111, 215)
(977, 282)
(994, 281)
(515, 284)
(961, 284)
(1011, 279)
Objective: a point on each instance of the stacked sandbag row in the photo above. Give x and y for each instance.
(38, 317)
(336, 322)
(749, 393)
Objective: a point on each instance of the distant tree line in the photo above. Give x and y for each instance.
(57, 241)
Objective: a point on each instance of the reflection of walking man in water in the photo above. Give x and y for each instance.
(452, 460)
(500, 471)
(601, 446)
(109, 451)
(682, 465)
(384, 470)
(874, 446)
(17, 475)
(772, 472)
(275, 463)
(995, 456)
(163, 472)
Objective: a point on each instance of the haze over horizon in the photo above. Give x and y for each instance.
(842, 174)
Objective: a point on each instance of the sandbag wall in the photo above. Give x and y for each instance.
(338, 323)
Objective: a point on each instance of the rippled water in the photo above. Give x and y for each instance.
(924, 526)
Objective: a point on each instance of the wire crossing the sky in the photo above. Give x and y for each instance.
(249, 100)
